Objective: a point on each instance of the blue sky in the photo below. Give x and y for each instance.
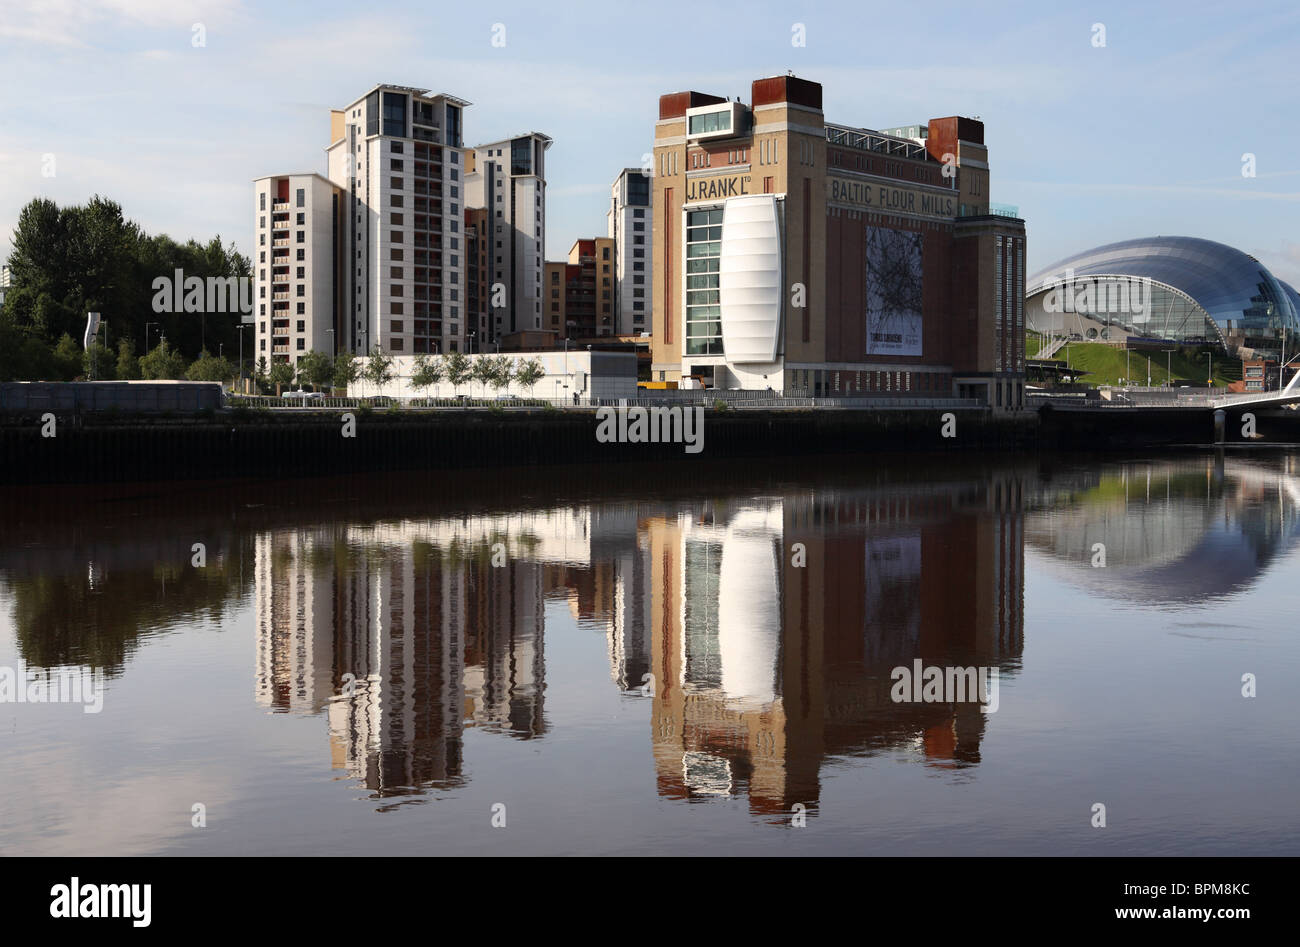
(1144, 136)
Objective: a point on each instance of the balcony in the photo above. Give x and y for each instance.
(284, 242)
(279, 204)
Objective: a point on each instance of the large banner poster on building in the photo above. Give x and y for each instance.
(894, 284)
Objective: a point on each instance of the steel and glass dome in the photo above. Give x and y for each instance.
(1192, 290)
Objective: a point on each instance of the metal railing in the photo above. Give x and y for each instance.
(734, 400)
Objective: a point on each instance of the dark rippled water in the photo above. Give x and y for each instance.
(699, 659)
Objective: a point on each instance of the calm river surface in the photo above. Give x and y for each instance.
(689, 660)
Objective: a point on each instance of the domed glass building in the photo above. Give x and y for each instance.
(1179, 289)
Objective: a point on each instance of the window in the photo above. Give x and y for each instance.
(395, 183)
(302, 219)
(395, 219)
(302, 344)
(262, 205)
(395, 164)
(302, 272)
(703, 307)
(302, 197)
(302, 254)
(395, 344)
(302, 310)
(302, 290)
(395, 272)
(302, 325)
(396, 200)
(395, 326)
(302, 236)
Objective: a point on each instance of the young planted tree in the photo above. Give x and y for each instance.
(529, 373)
(128, 366)
(378, 370)
(428, 372)
(67, 357)
(483, 371)
(316, 369)
(280, 376)
(163, 362)
(346, 369)
(503, 370)
(98, 364)
(208, 367)
(458, 370)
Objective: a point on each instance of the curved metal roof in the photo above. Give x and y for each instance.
(1235, 289)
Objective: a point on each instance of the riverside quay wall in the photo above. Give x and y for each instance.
(92, 448)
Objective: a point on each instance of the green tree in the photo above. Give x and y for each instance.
(316, 369)
(428, 372)
(67, 358)
(97, 363)
(503, 370)
(458, 370)
(529, 373)
(379, 369)
(162, 362)
(128, 366)
(208, 367)
(483, 371)
(346, 369)
(280, 376)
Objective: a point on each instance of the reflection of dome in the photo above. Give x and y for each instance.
(1184, 547)
(1200, 291)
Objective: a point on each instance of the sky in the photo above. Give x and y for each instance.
(1143, 135)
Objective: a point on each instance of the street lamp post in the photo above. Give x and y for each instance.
(241, 327)
(146, 334)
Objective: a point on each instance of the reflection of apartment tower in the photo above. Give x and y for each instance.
(504, 666)
(401, 729)
(629, 625)
(630, 225)
(296, 276)
(508, 179)
(397, 154)
(295, 619)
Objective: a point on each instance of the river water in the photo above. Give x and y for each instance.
(695, 659)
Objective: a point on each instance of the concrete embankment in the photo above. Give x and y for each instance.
(1102, 429)
(89, 448)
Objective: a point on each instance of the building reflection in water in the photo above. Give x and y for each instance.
(764, 631)
(1177, 532)
(766, 665)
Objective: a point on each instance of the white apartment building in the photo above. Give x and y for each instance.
(630, 225)
(508, 180)
(295, 266)
(397, 155)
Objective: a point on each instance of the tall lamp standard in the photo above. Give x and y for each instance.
(241, 327)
